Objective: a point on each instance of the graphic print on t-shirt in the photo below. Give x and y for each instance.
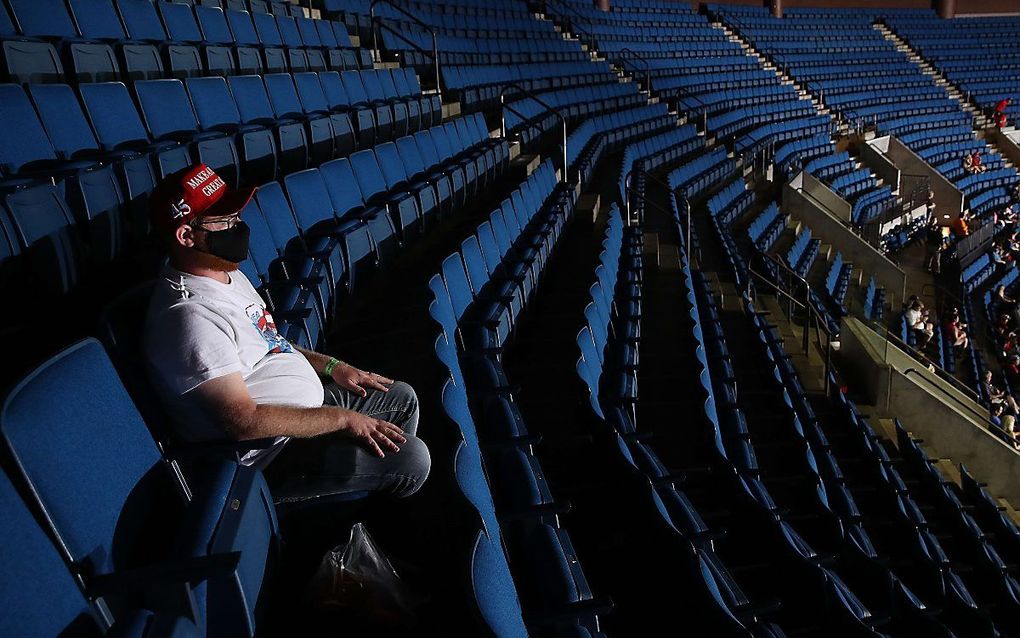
(263, 321)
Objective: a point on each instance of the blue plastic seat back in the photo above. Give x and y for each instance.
(213, 24)
(277, 212)
(62, 118)
(354, 87)
(251, 98)
(43, 18)
(410, 155)
(97, 19)
(113, 115)
(165, 107)
(427, 148)
(23, 140)
(141, 21)
(392, 166)
(333, 88)
(308, 32)
(494, 589)
(368, 173)
(36, 581)
(309, 90)
(45, 229)
(373, 88)
(242, 28)
(214, 106)
(71, 439)
(265, 27)
(282, 95)
(179, 21)
(457, 284)
(344, 192)
(289, 32)
(343, 38)
(309, 198)
(325, 33)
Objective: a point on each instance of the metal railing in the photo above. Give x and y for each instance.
(814, 318)
(530, 120)
(377, 24)
(640, 58)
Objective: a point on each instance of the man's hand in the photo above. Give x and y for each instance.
(355, 380)
(375, 435)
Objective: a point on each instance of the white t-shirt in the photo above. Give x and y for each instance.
(198, 329)
(914, 318)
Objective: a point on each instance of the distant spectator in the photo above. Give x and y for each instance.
(1003, 326)
(975, 162)
(1012, 366)
(1006, 305)
(996, 395)
(1001, 120)
(961, 227)
(1002, 105)
(1005, 422)
(999, 254)
(955, 330)
(917, 320)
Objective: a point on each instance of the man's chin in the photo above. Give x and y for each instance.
(213, 262)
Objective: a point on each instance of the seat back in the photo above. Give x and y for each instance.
(71, 438)
(140, 20)
(63, 119)
(309, 198)
(251, 98)
(113, 115)
(213, 104)
(97, 19)
(23, 140)
(242, 28)
(166, 108)
(344, 192)
(282, 95)
(180, 23)
(213, 24)
(38, 592)
(368, 173)
(268, 32)
(43, 18)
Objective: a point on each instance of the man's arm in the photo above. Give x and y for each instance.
(346, 375)
(227, 398)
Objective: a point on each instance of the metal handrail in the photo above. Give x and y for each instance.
(806, 303)
(940, 372)
(980, 415)
(548, 107)
(661, 182)
(416, 20)
(640, 58)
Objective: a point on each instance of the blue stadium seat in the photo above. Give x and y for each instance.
(402, 207)
(216, 111)
(360, 100)
(249, 59)
(363, 117)
(254, 106)
(50, 247)
(287, 106)
(272, 43)
(220, 54)
(117, 508)
(120, 130)
(35, 571)
(313, 102)
(169, 115)
(27, 62)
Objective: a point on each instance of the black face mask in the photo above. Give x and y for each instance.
(230, 244)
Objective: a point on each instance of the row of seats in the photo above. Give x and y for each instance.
(699, 175)
(765, 229)
(96, 42)
(598, 135)
(837, 282)
(874, 301)
(250, 128)
(803, 252)
(478, 297)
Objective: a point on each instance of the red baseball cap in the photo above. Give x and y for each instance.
(193, 192)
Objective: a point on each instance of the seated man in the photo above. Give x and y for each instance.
(224, 371)
(917, 320)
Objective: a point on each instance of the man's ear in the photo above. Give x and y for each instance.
(185, 236)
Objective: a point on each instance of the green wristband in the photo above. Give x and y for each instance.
(332, 363)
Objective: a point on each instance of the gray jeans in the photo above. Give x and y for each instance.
(333, 464)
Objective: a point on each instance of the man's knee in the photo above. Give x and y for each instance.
(404, 392)
(415, 463)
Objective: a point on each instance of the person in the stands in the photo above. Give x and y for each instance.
(224, 371)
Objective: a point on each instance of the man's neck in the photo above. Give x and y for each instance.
(200, 271)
